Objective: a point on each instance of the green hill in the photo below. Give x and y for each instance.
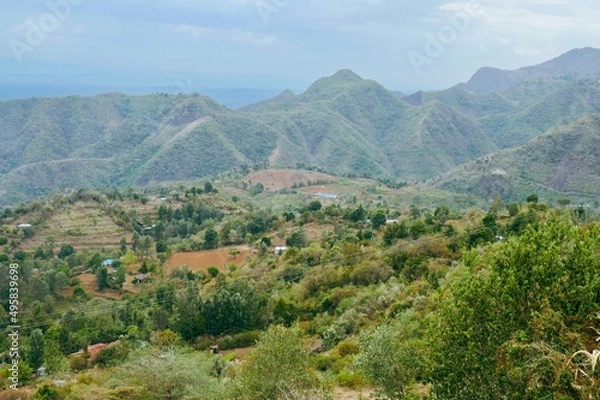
(562, 162)
(347, 124)
(116, 140)
(342, 124)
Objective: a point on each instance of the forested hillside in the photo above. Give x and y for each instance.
(326, 298)
(343, 125)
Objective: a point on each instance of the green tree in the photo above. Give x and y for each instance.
(297, 239)
(525, 299)
(314, 206)
(181, 374)
(36, 349)
(392, 356)
(378, 219)
(120, 277)
(281, 347)
(513, 209)
(211, 239)
(102, 278)
(54, 360)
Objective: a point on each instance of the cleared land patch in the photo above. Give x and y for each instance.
(277, 179)
(201, 260)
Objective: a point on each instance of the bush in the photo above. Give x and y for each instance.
(112, 355)
(47, 392)
(350, 380)
(278, 365)
(346, 348)
(367, 274)
(79, 363)
(239, 340)
(213, 271)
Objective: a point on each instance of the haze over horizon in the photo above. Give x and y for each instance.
(274, 45)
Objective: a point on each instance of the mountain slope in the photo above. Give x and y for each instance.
(116, 140)
(345, 123)
(561, 162)
(580, 63)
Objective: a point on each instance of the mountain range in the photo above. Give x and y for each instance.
(501, 133)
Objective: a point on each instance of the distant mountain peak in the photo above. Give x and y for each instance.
(347, 75)
(582, 63)
(333, 84)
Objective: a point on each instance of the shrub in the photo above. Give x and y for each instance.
(112, 355)
(79, 363)
(239, 340)
(213, 271)
(349, 379)
(346, 348)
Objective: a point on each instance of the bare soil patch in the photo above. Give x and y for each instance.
(201, 260)
(277, 179)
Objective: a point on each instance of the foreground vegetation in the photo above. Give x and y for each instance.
(407, 303)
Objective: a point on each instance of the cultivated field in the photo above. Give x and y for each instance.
(277, 179)
(201, 260)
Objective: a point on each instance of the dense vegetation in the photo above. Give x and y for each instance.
(342, 124)
(409, 303)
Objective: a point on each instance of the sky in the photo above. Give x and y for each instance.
(280, 44)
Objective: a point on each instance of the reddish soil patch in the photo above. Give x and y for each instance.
(201, 260)
(89, 283)
(277, 179)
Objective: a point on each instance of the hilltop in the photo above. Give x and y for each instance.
(577, 63)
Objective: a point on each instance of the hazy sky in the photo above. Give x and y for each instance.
(278, 44)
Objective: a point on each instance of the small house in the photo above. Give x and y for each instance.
(329, 196)
(94, 349)
(280, 249)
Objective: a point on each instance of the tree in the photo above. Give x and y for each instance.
(54, 360)
(123, 245)
(533, 198)
(281, 347)
(102, 277)
(211, 239)
(208, 187)
(511, 312)
(489, 221)
(392, 356)
(513, 209)
(36, 349)
(120, 276)
(314, 206)
(234, 253)
(297, 239)
(65, 251)
(181, 374)
(378, 219)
